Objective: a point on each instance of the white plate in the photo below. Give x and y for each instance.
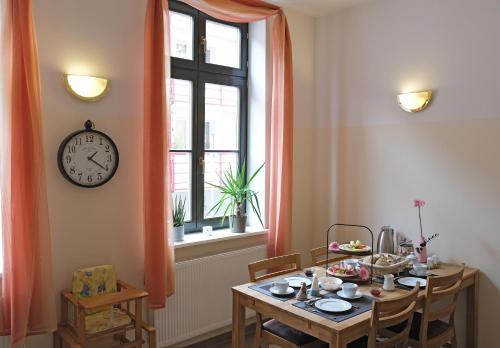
(412, 281)
(347, 247)
(332, 305)
(296, 282)
(427, 273)
(275, 291)
(343, 295)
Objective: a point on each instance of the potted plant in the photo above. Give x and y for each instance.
(179, 213)
(235, 192)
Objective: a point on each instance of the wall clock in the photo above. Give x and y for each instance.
(88, 158)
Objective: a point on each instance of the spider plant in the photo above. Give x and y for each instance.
(235, 191)
(179, 211)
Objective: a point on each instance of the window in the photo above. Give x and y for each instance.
(208, 105)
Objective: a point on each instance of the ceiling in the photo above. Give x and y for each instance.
(317, 7)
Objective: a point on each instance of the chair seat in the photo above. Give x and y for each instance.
(105, 320)
(435, 328)
(359, 343)
(288, 333)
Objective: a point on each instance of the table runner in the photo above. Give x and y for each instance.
(359, 306)
(264, 288)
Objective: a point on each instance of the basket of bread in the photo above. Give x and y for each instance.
(384, 264)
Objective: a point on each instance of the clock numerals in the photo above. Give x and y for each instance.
(107, 147)
(89, 138)
(72, 170)
(68, 159)
(109, 158)
(78, 141)
(99, 176)
(71, 148)
(80, 176)
(89, 178)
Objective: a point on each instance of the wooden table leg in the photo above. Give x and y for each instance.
(472, 312)
(238, 340)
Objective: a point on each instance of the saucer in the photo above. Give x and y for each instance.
(427, 273)
(296, 282)
(357, 295)
(275, 291)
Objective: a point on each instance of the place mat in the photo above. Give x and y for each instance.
(359, 306)
(263, 288)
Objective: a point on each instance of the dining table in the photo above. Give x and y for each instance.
(338, 334)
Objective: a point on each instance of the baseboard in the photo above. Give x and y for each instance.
(214, 338)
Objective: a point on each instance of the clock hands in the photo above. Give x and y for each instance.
(91, 159)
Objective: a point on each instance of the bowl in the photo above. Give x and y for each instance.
(330, 283)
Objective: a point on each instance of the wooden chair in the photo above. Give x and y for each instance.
(271, 331)
(318, 256)
(441, 296)
(388, 313)
(95, 310)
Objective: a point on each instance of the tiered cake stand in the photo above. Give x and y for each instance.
(347, 252)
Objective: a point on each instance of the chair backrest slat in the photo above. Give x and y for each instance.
(274, 266)
(318, 256)
(392, 312)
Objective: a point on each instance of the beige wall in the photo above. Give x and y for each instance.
(103, 225)
(379, 158)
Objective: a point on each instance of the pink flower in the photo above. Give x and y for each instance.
(418, 203)
(334, 246)
(363, 273)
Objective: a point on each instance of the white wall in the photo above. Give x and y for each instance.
(379, 158)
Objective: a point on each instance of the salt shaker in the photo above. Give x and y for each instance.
(302, 294)
(315, 286)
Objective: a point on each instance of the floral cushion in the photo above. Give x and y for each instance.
(105, 320)
(94, 281)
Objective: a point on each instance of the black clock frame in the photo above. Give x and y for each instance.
(89, 127)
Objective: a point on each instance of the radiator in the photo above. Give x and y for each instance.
(202, 301)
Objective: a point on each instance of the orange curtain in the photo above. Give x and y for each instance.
(27, 305)
(281, 142)
(158, 242)
(159, 252)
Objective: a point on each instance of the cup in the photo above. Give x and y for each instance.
(281, 285)
(349, 289)
(420, 269)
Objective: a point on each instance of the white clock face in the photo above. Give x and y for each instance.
(88, 158)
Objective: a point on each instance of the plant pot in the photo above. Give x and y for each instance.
(179, 233)
(238, 223)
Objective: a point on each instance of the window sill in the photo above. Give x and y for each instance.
(199, 238)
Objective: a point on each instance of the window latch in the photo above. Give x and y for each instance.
(201, 162)
(203, 44)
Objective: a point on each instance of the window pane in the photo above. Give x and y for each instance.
(181, 100)
(216, 163)
(180, 179)
(181, 35)
(222, 114)
(223, 44)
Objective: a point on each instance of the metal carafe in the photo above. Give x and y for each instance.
(385, 241)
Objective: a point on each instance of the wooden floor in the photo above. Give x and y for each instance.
(224, 341)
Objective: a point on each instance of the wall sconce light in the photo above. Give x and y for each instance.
(87, 88)
(414, 101)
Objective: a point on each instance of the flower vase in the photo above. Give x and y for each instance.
(422, 254)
